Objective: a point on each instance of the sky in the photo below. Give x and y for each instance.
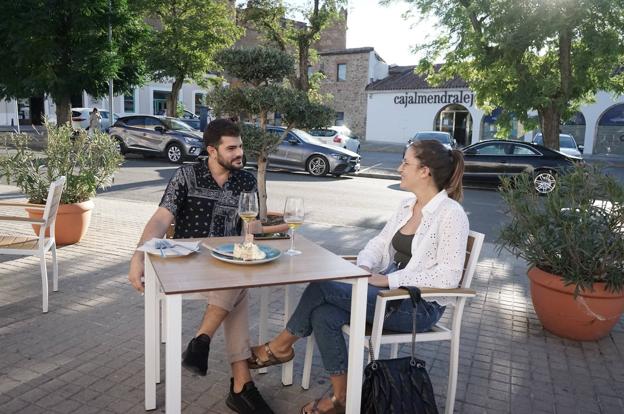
(384, 28)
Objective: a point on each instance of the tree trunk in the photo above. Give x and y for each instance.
(304, 62)
(172, 101)
(550, 119)
(63, 110)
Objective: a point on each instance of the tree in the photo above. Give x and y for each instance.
(268, 16)
(261, 91)
(546, 56)
(184, 39)
(62, 49)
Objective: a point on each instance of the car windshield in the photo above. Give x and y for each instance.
(438, 136)
(307, 137)
(566, 141)
(176, 125)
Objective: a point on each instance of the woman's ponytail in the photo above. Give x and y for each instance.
(454, 188)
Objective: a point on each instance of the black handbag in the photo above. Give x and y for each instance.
(400, 385)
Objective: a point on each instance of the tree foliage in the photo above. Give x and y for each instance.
(544, 55)
(269, 18)
(260, 91)
(184, 39)
(62, 49)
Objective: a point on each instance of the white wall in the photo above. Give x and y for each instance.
(376, 68)
(390, 122)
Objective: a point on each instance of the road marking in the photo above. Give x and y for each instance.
(368, 168)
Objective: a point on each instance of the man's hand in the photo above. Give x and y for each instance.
(137, 267)
(255, 227)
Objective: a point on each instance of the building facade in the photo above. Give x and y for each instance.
(404, 103)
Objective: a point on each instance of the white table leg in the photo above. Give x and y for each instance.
(287, 368)
(151, 307)
(263, 324)
(173, 363)
(356, 345)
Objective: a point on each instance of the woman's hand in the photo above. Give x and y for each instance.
(378, 280)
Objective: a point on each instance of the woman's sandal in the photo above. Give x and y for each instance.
(255, 362)
(337, 408)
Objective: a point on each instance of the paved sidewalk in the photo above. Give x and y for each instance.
(86, 354)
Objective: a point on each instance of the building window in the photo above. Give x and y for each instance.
(342, 72)
(200, 100)
(339, 118)
(129, 103)
(160, 102)
(310, 71)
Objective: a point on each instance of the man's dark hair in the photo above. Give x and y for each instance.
(220, 128)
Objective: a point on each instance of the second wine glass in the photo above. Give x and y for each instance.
(247, 210)
(293, 216)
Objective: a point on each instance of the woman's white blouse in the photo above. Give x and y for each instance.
(438, 247)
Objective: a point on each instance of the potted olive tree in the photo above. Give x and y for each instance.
(573, 240)
(259, 90)
(87, 162)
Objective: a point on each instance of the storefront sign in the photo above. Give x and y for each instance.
(446, 97)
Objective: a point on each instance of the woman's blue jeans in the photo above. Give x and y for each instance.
(325, 307)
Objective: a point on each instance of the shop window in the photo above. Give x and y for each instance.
(339, 118)
(310, 71)
(610, 135)
(160, 102)
(341, 72)
(129, 103)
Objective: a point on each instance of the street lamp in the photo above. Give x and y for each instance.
(110, 81)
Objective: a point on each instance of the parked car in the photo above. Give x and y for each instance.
(157, 135)
(487, 161)
(300, 151)
(80, 118)
(444, 137)
(340, 136)
(567, 144)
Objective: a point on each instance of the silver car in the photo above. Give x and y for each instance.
(567, 144)
(156, 136)
(300, 151)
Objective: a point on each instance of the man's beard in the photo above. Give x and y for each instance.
(228, 165)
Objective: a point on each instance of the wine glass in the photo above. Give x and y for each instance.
(293, 216)
(248, 210)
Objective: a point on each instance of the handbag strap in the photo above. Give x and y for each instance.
(415, 297)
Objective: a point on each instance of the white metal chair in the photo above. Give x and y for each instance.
(439, 332)
(37, 246)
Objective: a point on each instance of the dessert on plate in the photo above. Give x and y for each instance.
(248, 251)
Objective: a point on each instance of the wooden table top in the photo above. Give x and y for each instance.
(201, 272)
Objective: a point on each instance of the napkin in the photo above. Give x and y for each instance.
(175, 248)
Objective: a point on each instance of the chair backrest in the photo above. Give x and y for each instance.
(473, 249)
(51, 207)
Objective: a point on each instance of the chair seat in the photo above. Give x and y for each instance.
(18, 242)
(369, 329)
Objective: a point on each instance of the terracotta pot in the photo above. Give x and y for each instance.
(72, 222)
(589, 317)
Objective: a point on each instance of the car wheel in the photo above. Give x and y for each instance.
(174, 153)
(544, 181)
(119, 145)
(318, 166)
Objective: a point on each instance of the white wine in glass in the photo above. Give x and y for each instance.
(293, 216)
(247, 209)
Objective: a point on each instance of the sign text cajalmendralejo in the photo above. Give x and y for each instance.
(446, 97)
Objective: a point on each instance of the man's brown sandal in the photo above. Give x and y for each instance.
(255, 362)
(338, 408)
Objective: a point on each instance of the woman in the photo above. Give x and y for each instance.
(95, 120)
(423, 244)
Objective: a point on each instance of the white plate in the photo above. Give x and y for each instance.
(271, 254)
(178, 249)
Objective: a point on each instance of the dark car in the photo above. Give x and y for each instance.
(487, 161)
(300, 151)
(157, 135)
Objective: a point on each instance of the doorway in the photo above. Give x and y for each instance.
(457, 121)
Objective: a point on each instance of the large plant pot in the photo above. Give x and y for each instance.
(589, 317)
(72, 222)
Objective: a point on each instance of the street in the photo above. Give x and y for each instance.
(346, 201)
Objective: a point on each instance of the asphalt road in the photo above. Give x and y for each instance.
(345, 201)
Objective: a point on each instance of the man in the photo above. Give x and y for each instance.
(202, 200)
